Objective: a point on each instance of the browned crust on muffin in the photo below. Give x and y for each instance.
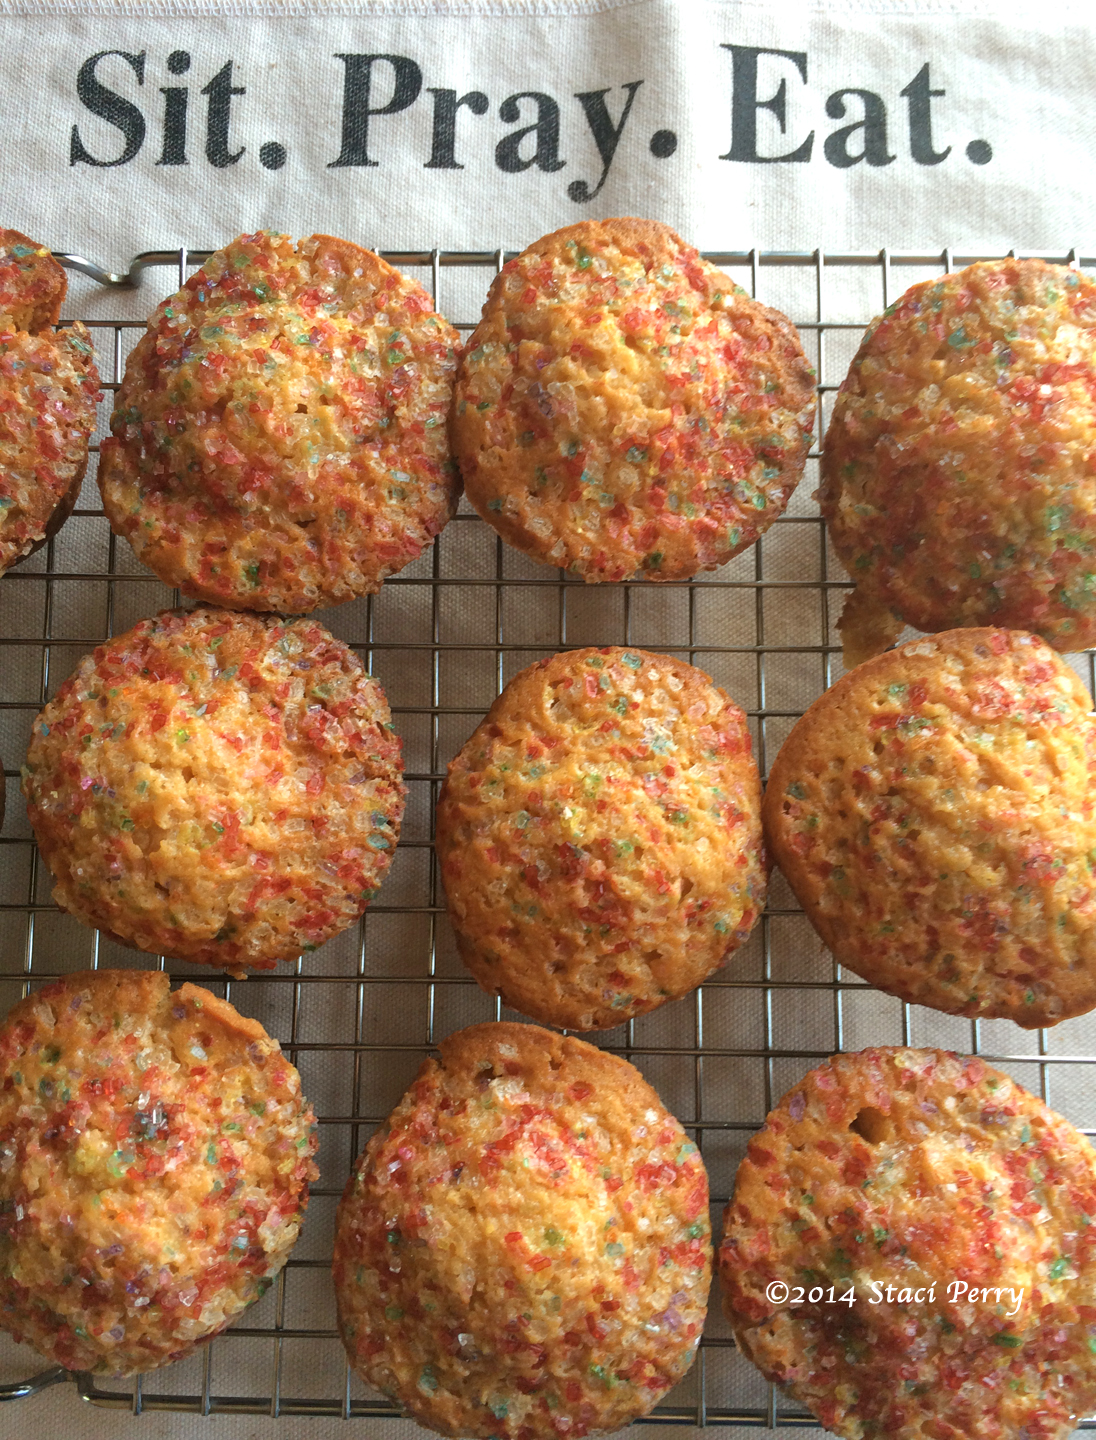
(68, 354)
(226, 1015)
(279, 439)
(660, 545)
(940, 1178)
(906, 813)
(353, 256)
(623, 229)
(617, 897)
(43, 278)
(235, 795)
(157, 1148)
(526, 1189)
(64, 508)
(547, 1060)
(956, 472)
(141, 991)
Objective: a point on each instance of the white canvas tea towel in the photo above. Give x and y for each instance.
(480, 124)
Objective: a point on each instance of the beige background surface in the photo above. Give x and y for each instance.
(50, 1417)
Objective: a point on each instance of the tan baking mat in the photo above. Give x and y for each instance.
(358, 1015)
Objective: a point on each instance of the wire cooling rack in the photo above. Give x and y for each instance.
(443, 637)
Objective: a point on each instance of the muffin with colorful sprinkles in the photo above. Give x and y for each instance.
(49, 388)
(155, 1155)
(934, 814)
(523, 1250)
(911, 1252)
(217, 787)
(624, 409)
(599, 837)
(280, 435)
(959, 469)
(32, 284)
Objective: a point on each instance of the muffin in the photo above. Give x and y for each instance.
(624, 409)
(217, 787)
(49, 388)
(933, 813)
(523, 1250)
(155, 1154)
(909, 1252)
(957, 472)
(599, 837)
(279, 440)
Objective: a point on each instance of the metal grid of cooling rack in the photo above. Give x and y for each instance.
(443, 637)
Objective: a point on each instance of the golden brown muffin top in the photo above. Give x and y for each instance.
(957, 471)
(32, 284)
(623, 408)
(279, 439)
(909, 1251)
(525, 1240)
(599, 837)
(49, 388)
(218, 787)
(155, 1154)
(933, 812)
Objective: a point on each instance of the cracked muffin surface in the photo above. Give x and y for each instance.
(933, 812)
(217, 787)
(523, 1250)
(49, 388)
(599, 837)
(909, 1252)
(959, 468)
(279, 438)
(624, 409)
(155, 1156)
